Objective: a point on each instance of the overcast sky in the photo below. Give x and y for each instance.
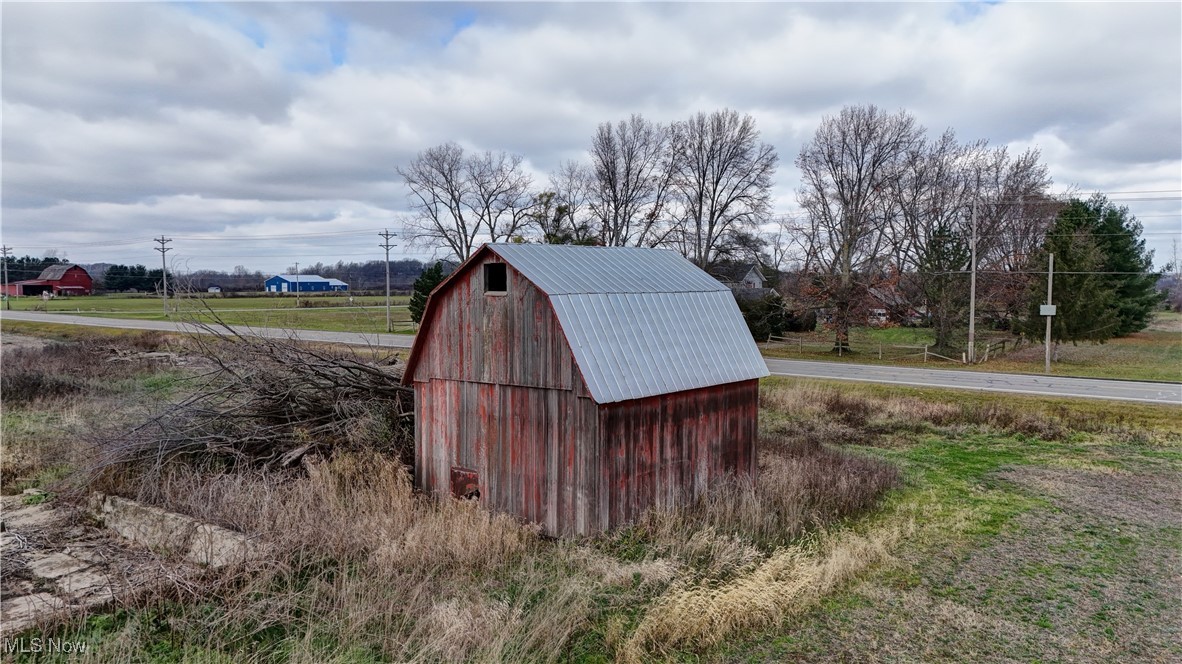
(264, 134)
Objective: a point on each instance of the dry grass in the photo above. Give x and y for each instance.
(363, 568)
(701, 615)
(866, 415)
(59, 370)
(802, 485)
(358, 558)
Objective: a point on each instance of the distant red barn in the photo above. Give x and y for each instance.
(55, 279)
(577, 387)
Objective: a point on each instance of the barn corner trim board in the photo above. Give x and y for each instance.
(583, 385)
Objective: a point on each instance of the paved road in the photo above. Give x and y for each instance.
(1091, 388)
(1062, 386)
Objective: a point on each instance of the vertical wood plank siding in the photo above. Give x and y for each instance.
(670, 448)
(497, 391)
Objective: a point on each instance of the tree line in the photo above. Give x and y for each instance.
(119, 278)
(891, 217)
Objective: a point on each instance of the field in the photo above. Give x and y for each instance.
(889, 524)
(1153, 354)
(335, 312)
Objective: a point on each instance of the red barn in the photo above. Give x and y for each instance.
(56, 279)
(577, 387)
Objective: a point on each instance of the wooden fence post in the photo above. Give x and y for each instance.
(925, 353)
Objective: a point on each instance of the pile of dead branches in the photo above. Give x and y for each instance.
(268, 403)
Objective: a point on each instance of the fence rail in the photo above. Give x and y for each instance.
(985, 349)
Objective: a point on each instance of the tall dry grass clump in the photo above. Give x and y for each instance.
(802, 485)
(698, 615)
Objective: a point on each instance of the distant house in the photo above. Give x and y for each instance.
(893, 306)
(55, 280)
(739, 275)
(577, 387)
(303, 283)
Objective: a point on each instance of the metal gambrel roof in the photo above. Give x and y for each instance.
(56, 272)
(569, 270)
(640, 322)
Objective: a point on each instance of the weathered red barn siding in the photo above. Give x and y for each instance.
(663, 450)
(511, 339)
(535, 451)
(497, 391)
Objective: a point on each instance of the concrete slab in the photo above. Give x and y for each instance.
(160, 530)
(28, 517)
(20, 613)
(219, 547)
(54, 565)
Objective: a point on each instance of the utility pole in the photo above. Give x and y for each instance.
(1050, 309)
(973, 292)
(164, 249)
(386, 244)
(297, 284)
(7, 295)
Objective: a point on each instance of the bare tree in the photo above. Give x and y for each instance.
(459, 199)
(1015, 211)
(570, 217)
(931, 234)
(499, 193)
(722, 178)
(439, 188)
(782, 242)
(847, 172)
(632, 170)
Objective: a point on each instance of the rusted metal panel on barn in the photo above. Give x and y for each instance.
(465, 482)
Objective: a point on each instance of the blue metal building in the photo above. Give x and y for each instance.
(304, 283)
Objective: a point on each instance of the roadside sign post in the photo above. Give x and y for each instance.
(1048, 309)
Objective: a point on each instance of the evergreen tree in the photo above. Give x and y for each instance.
(1123, 258)
(1085, 298)
(945, 286)
(427, 281)
(1119, 235)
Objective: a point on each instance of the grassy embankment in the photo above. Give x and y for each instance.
(1024, 528)
(1153, 354)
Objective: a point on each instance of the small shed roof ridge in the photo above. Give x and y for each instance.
(571, 270)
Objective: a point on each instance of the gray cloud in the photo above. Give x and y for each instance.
(128, 120)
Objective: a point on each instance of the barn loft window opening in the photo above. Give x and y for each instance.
(496, 279)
